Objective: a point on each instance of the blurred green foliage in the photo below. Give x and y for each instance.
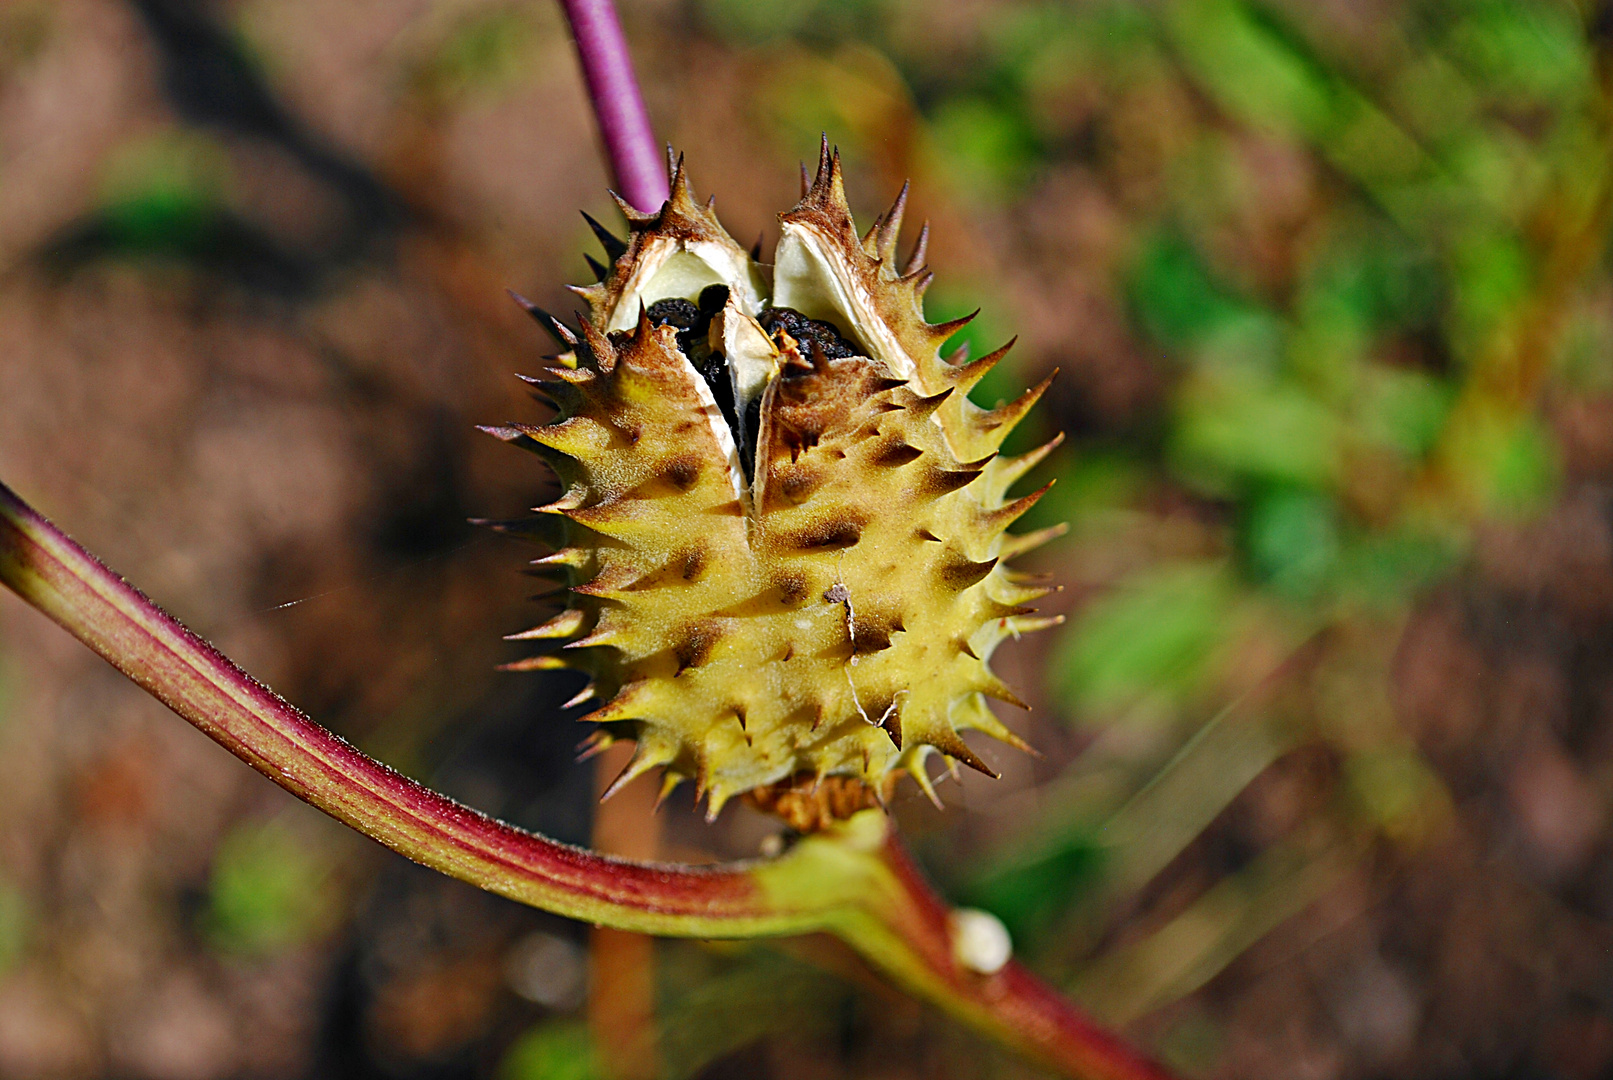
(1364, 253)
(273, 887)
(555, 1050)
(16, 924)
(1151, 639)
(486, 51)
(165, 193)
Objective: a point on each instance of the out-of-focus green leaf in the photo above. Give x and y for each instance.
(1192, 1041)
(1292, 539)
(26, 26)
(1490, 276)
(1369, 271)
(1193, 947)
(271, 889)
(486, 52)
(1585, 364)
(1091, 483)
(1154, 635)
(771, 20)
(1065, 59)
(1495, 168)
(1434, 97)
(1525, 53)
(1403, 409)
(1245, 346)
(1031, 893)
(16, 924)
(1254, 70)
(1391, 785)
(987, 332)
(1101, 846)
(853, 94)
(1369, 145)
(1174, 293)
(554, 1050)
(1181, 800)
(989, 148)
(1102, 34)
(1525, 469)
(1386, 569)
(1509, 463)
(1233, 430)
(165, 192)
(767, 994)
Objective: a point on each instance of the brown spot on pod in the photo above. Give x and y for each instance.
(791, 586)
(797, 482)
(871, 630)
(828, 535)
(698, 641)
(683, 472)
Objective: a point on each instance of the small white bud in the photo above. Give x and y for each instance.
(980, 941)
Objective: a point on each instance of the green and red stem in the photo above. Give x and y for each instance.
(857, 884)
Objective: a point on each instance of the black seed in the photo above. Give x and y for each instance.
(674, 311)
(713, 298)
(810, 333)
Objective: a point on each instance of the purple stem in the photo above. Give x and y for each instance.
(624, 126)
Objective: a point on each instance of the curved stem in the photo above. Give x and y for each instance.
(624, 126)
(70, 585)
(856, 882)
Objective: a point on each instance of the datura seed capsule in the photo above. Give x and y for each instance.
(783, 525)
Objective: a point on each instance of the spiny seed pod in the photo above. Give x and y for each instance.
(784, 524)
